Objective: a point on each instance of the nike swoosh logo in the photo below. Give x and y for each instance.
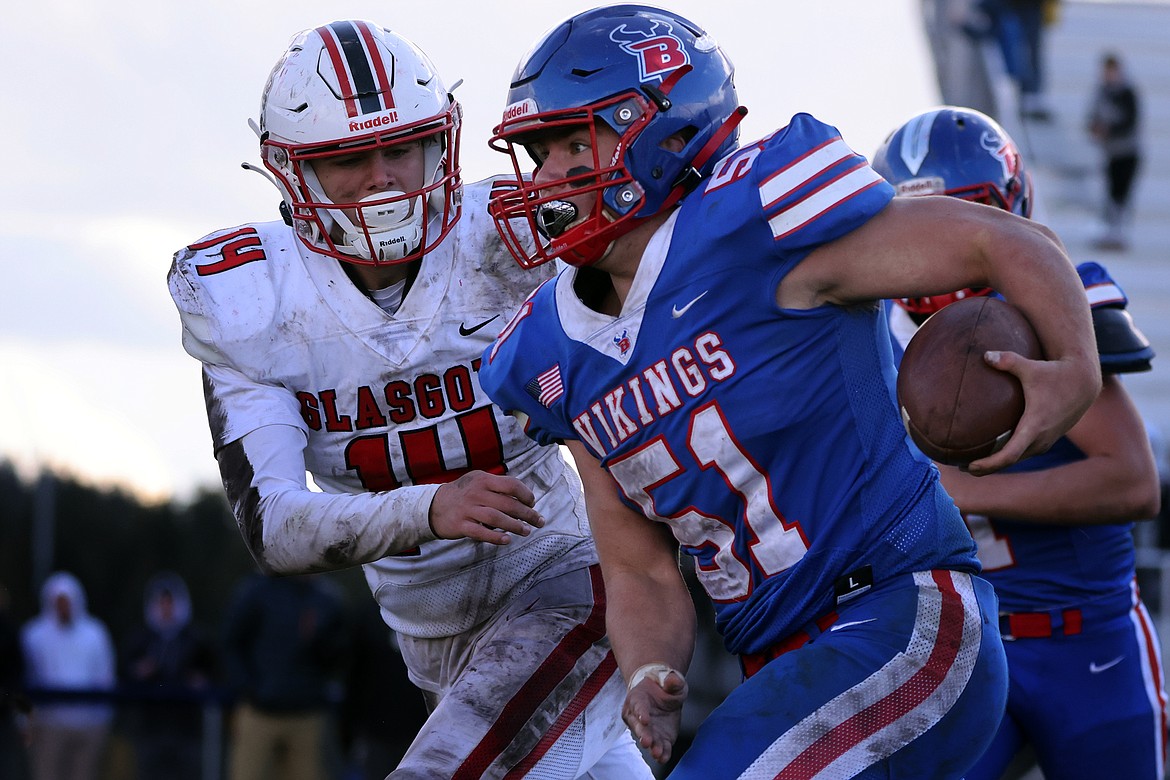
(677, 312)
(840, 626)
(1095, 669)
(466, 331)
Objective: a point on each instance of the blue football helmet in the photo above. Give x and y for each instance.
(645, 73)
(958, 152)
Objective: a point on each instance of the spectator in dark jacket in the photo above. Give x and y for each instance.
(13, 704)
(1114, 120)
(285, 642)
(170, 663)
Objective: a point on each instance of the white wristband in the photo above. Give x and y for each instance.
(658, 671)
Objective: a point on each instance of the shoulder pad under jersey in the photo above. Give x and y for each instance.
(1122, 347)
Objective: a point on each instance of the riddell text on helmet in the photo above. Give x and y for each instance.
(389, 118)
(517, 110)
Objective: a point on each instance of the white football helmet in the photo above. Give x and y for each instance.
(350, 87)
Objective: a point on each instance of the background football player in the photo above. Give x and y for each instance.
(345, 341)
(1054, 532)
(718, 364)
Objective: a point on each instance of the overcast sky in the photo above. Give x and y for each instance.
(125, 129)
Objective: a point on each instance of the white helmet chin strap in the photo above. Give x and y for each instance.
(395, 228)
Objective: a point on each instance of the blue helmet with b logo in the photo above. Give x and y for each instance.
(958, 152)
(645, 73)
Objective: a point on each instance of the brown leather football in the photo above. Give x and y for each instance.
(955, 407)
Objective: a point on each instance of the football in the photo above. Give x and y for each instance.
(955, 407)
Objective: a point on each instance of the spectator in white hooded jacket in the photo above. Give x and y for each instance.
(67, 649)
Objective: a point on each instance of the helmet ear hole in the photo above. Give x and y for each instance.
(676, 142)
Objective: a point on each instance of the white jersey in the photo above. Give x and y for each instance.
(385, 403)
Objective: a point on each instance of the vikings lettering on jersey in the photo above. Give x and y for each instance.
(747, 428)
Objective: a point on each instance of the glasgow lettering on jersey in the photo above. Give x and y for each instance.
(654, 392)
(398, 402)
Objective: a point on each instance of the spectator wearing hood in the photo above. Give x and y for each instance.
(67, 650)
(168, 664)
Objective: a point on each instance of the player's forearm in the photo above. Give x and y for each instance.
(1032, 271)
(649, 621)
(302, 531)
(289, 529)
(650, 617)
(1114, 481)
(1082, 493)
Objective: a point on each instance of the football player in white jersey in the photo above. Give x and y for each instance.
(344, 342)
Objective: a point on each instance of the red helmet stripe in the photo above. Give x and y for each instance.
(340, 68)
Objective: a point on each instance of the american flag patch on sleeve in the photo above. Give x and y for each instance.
(546, 387)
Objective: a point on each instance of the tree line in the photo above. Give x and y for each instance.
(114, 543)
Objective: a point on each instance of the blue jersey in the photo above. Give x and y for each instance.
(1086, 675)
(768, 439)
(1036, 567)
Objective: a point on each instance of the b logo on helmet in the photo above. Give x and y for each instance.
(1003, 150)
(658, 51)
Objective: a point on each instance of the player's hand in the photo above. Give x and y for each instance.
(1056, 394)
(485, 507)
(653, 713)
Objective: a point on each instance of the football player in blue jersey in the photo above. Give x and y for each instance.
(1054, 532)
(717, 360)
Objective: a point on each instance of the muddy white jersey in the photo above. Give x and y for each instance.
(386, 404)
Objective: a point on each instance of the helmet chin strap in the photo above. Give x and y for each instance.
(394, 229)
(690, 176)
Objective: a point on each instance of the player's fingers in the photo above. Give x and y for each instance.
(497, 503)
(652, 714)
(509, 496)
(508, 486)
(514, 507)
(1011, 362)
(647, 737)
(481, 533)
(993, 463)
(675, 684)
(490, 517)
(1010, 452)
(504, 511)
(1026, 440)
